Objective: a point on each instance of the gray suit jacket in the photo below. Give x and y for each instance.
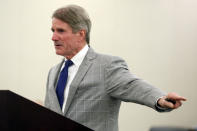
(97, 90)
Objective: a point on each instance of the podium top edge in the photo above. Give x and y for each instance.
(6, 91)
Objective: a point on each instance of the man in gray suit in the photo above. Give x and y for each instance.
(95, 83)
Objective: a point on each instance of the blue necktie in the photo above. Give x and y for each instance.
(62, 82)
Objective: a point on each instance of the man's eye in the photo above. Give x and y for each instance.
(60, 30)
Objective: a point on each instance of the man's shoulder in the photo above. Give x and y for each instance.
(106, 57)
(108, 60)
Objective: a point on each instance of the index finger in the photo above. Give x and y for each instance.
(174, 96)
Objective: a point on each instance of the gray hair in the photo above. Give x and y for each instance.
(76, 17)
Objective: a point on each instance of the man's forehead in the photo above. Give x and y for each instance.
(59, 22)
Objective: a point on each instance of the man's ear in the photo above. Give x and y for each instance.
(82, 34)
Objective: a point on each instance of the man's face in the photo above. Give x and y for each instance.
(66, 42)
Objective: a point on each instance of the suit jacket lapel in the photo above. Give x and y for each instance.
(85, 65)
(53, 95)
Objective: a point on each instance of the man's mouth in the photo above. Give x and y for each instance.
(57, 44)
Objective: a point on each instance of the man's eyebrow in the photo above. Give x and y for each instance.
(57, 29)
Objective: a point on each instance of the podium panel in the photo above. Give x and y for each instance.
(19, 114)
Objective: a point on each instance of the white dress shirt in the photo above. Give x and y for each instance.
(72, 70)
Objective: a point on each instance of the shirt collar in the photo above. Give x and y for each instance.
(78, 58)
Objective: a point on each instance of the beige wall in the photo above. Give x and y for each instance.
(157, 38)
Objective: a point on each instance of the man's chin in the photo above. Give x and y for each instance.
(59, 53)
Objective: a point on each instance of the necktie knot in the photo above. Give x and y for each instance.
(68, 63)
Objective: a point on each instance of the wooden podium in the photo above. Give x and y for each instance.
(20, 114)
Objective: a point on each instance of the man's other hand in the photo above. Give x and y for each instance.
(172, 101)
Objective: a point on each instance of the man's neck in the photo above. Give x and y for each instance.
(75, 52)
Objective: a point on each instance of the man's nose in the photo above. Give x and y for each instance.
(54, 37)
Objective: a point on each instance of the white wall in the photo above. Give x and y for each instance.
(157, 38)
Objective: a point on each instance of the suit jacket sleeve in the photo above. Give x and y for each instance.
(123, 85)
(46, 102)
